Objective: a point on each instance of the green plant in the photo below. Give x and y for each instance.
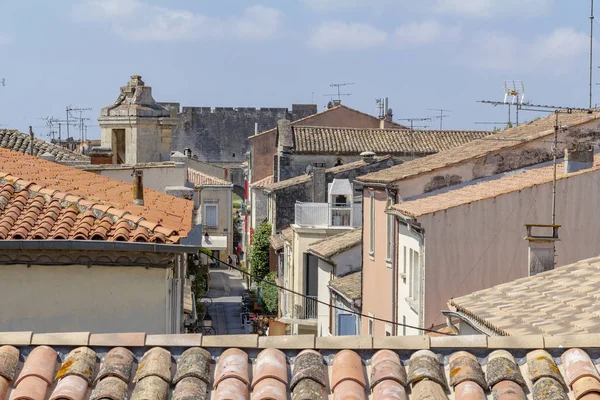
(259, 253)
(269, 293)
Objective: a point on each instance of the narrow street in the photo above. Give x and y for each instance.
(226, 290)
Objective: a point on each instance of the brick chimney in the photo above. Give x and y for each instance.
(541, 247)
(578, 156)
(138, 187)
(101, 155)
(319, 182)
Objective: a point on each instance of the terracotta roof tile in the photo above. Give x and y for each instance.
(506, 308)
(348, 285)
(14, 140)
(316, 374)
(263, 182)
(326, 140)
(477, 148)
(73, 204)
(200, 179)
(329, 247)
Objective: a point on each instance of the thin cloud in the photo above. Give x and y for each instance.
(423, 33)
(492, 8)
(136, 20)
(329, 5)
(341, 35)
(554, 53)
(5, 38)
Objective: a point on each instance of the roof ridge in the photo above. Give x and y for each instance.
(37, 140)
(218, 181)
(392, 129)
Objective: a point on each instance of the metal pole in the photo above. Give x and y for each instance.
(67, 121)
(554, 151)
(591, 48)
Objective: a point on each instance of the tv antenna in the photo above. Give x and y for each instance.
(80, 118)
(2, 82)
(412, 132)
(441, 116)
(382, 108)
(338, 85)
(591, 47)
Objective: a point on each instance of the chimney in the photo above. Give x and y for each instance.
(368, 156)
(31, 137)
(578, 156)
(285, 141)
(319, 182)
(138, 187)
(101, 155)
(541, 248)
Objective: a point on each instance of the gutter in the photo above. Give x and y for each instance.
(96, 245)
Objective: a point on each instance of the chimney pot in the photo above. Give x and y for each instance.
(101, 155)
(368, 156)
(578, 156)
(319, 181)
(138, 187)
(541, 248)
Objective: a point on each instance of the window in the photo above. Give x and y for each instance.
(370, 324)
(404, 325)
(211, 212)
(388, 330)
(372, 226)
(404, 263)
(390, 237)
(414, 287)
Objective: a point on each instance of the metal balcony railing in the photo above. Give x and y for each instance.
(300, 307)
(329, 215)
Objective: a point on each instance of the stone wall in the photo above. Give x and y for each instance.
(221, 134)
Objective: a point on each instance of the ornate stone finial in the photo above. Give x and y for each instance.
(136, 80)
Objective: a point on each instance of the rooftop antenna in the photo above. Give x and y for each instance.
(81, 119)
(412, 132)
(441, 116)
(338, 85)
(591, 48)
(2, 81)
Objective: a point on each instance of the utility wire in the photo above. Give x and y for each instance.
(322, 302)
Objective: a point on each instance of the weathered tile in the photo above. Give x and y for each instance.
(507, 390)
(191, 388)
(269, 388)
(110, 387)
(501, 367)
(541, 365)
(230, 389)
(308, 389)
(428, 390)
(308, 365)
(349, 389)
(546, 388)
(465, 367)
(79, 362)
(469, 390)
(194, 362)
(155, 362)
(118, 362)
(424, 364)
(4, 385)
(9, 359)
(389, 390)
(151, 387)
(386, 365)
(578, 364)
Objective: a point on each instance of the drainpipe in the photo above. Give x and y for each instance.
(392, 194)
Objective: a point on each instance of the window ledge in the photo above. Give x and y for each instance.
(388, 263)
(403, 276)
(413, 304)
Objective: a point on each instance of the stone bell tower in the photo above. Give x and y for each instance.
(135, 127)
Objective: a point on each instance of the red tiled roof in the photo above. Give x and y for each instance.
(263, 182)
(178, 367)
(45, 200)
(201, 179)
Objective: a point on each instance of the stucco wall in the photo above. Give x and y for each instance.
(259, 207)
(377, 274)
(409, 312)
(221, 197)
(80, 299)
(156, 178)
(481, 244)
(497, 162)
(325, 275)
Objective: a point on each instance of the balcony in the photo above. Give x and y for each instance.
(300, 307)
(329, 215)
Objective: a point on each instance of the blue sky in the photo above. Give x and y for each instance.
(421, 54)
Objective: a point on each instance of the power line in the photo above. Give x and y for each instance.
(322, 302)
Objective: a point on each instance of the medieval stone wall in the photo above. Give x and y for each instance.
(221, 134)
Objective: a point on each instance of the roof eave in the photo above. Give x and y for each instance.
(96, 245)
